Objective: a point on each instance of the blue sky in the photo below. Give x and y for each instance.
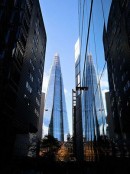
(61, 23)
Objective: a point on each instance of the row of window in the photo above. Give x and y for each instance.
(36, 34)
(29, 88)
(37, 101)
(31, 76)
(35, 110)
(34, 57)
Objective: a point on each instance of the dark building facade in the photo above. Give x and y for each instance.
(35, 138)
(22, 55)
(39, 133)
(109, 119)
(116, 39)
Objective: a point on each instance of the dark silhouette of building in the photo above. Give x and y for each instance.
(22, 55)
(35, 138)
(77, 114)
(39, 133)
(109, 119)
(116, 38)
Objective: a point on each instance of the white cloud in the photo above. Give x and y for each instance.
(44, 130)
(104, 84)
(45, 82)
(65, 91)
(104, 87)
(104, 99)
(104, 80)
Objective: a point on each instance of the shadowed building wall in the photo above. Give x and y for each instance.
(116, 39)
(22, 55)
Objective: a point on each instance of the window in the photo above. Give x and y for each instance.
(28, 87)
(1, 55)
(33, 53)
(25, 96)
(35, 41)
(37, 101)
(32, 64)
(36, 112)
(31, 77)
(128, 83)
(40, 73)
(38, 91)
(127, 86)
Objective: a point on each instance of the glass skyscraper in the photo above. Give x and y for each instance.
(55, 120)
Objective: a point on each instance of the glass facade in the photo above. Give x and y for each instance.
(55, 120)
(93, 116)
(93, 15)
(91, 73)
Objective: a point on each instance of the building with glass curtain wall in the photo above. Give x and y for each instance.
(55, 120)
(90, 115)
(90, 39)
(93, 116)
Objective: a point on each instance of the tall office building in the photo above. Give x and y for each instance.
(116, 39)
(90, 116)
(55, 120)
(22, 55)
(90, 39)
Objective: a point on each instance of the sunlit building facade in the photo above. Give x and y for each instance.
(55, 120)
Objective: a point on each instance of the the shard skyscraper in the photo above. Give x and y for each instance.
(55, 120)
